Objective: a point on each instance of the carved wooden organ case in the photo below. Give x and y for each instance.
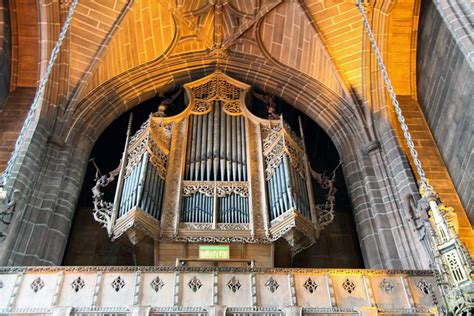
(214, 173)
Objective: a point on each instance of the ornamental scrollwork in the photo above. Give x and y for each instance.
(232, 108)
(227, 188)
(326, 210)
(270, 135)
(103, 210)
(135, 157)
(296, 159)
(143, 129)
(157, 269)
(201, 107)
(204, 187)
(279, 140)
(218, 188)
(196, 226)
(274, 159)
(160, 161)
(233, 226)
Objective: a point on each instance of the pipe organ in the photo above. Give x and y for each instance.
(213, 173)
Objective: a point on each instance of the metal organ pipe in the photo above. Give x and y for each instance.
(288, 182)
(198, 147)
(239, 152)
(191, 158)
(217, 152)
(120, 181)
(210, 147)
(234, 149)
(216, 133)
(244, 151)
(141, 182)
(203, 147)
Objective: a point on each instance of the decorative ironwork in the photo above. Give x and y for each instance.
(310, 285)
(118, 284)
(102, 209)
(78, 284)
(157, 284)
(194, 284)
(349, 286)
(386, 286)
(272, 285)
(37, 284)
(234, 284)
(424, 286)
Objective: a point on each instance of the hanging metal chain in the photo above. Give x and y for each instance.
(414, 154)
(448, 254)
(38, 97)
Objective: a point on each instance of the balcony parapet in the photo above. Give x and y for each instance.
(215, 291)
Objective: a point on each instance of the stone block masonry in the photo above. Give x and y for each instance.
(433, 164)
(445, 90)
(12, 116)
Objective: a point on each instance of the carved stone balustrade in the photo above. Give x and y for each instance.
(216, 291)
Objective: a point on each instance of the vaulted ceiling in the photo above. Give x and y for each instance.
(323, 39)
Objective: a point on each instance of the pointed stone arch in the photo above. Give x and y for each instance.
(376, 173)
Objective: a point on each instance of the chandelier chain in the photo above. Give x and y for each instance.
(38, 96)
(411, 146)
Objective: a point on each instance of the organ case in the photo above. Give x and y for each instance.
(214, 173)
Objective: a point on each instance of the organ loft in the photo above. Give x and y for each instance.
(236, 157)
(216, 173)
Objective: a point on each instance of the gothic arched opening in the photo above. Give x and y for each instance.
(337, 245)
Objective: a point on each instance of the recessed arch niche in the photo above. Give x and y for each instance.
(377, 175)
(337, 246)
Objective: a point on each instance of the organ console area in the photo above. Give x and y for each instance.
(213, 174)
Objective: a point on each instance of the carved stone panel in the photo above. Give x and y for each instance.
(81, 298)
